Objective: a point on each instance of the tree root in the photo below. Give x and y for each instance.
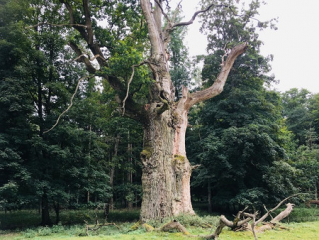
(174, 225)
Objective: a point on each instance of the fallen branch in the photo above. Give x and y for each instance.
(98, 225)
(240, 222)
(308, 203)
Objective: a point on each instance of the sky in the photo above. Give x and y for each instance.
(295, 45)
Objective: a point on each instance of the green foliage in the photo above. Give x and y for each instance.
(180, 65)
(295, 109)
(238, 137)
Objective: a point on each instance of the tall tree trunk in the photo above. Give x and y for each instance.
(57, 211)
(129, 172)
(112, 171)
(209, 197)
(182, 167)
(166, 169)
(158, 177)
(46, 221)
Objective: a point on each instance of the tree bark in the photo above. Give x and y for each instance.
(158, 178)
(166, 169)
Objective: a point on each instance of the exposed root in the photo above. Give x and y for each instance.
(174, 225)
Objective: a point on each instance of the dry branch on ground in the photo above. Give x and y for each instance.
(242, 221)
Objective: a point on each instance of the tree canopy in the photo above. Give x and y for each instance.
(95, 99)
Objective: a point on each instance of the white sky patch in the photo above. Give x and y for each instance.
(295, 45)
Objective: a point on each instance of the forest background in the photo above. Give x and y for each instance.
(252, 145)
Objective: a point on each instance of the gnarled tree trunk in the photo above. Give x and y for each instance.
(166, 169)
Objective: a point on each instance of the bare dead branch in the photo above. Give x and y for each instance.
(57, 25)
(309, 202)
(162, 10)
(275, 208)
(176, 10)
(196, 13)
(68, 108)
(219, 83)
(129, 82)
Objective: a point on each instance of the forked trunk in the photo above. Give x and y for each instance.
(182, 167)
(166, 169)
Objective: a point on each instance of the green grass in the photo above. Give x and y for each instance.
(72, 227)
(297, 231)
(31, 218)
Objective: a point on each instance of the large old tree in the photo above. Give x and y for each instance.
(166, 169)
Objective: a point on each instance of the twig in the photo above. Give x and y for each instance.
(57, 25)
(68, 108)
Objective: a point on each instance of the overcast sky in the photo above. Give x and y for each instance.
(295, 45)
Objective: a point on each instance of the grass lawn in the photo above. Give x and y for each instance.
(304, 225)
(296, 231)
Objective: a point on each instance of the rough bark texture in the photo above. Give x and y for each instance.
(157, 177)
(166, 169)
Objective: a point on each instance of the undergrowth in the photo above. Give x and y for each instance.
(72, 226)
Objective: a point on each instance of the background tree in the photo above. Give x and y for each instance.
(239, 135)
(114, 48)
(296, 110)
(135, 73)
(37, 80)
(15, 106)
(179, 61)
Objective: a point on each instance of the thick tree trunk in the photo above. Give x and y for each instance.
(158, 177)
(166, 169)
(182, 167)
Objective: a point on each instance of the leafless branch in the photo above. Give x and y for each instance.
(275, 208)
(162, 10)
(196, 13)
(57, 25)
(129, 82)
(68, 108)
(176, 10)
